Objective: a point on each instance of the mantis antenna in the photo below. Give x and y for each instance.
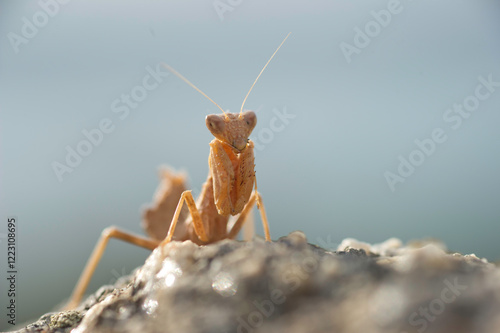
(179, 75)
(243, 104)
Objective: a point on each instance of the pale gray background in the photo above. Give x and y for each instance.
(322, 174)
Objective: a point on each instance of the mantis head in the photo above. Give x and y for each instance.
(233, 129)
(230, 128)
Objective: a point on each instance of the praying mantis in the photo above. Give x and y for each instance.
(230, 190)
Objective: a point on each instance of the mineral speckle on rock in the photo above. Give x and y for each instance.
(292, 286)
(65, 319)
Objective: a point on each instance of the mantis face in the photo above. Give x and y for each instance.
(233, 129)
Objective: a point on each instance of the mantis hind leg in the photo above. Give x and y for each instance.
(95, 257)
(165, 200)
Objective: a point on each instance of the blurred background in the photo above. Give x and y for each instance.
(339, 109)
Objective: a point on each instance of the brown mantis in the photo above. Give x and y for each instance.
(230, 190)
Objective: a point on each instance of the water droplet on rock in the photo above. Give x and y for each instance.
(224, 284)
(169, 272)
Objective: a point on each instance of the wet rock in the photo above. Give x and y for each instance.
(292, 286)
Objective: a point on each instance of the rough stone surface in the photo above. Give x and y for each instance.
(292, 286)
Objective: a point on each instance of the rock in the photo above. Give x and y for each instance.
(292, 286)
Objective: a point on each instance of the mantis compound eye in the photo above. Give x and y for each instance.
(215, 124)
(250, 119)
